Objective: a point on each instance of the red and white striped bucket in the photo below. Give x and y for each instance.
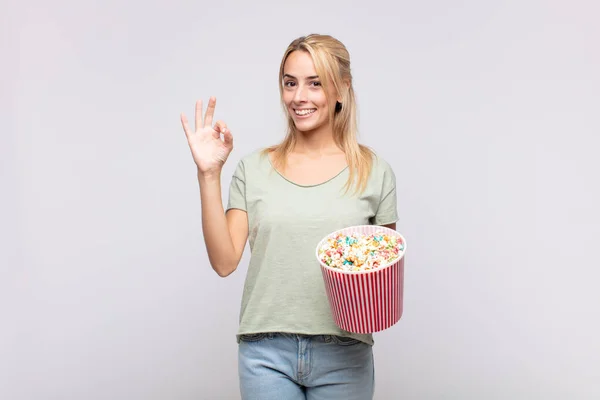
(365, 301)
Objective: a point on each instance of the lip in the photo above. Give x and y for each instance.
(304, 116)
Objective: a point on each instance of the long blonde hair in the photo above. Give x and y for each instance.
(332, 62)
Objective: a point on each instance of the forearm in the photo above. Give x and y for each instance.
(219, 245)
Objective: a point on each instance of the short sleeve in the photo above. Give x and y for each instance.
(387, 211)
(237, 189)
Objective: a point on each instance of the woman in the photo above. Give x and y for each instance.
(284, 199)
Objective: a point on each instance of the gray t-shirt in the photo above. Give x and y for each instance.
(284, 289)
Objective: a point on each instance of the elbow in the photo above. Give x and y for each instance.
(224, 270)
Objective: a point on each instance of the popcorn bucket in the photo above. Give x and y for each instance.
(365, 301)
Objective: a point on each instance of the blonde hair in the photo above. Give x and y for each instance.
(332, 62)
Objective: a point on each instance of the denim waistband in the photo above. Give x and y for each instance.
(255, 337)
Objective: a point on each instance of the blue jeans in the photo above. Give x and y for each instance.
(283, 366)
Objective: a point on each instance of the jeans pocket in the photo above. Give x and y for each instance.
(345, 341)
(253, 337)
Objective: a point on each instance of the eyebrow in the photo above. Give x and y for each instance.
(293, 77)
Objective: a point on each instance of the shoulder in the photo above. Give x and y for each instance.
(253, 156)
(252, 161)
(381, 168)
(382, 179)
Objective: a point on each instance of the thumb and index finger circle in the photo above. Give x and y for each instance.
(220, 127)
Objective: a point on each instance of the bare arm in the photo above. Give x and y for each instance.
(225, 235)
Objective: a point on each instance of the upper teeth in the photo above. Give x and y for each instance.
(304, 112)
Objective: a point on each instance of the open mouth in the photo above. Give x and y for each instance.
(304, 112)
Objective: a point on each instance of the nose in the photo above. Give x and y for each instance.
(300, 95)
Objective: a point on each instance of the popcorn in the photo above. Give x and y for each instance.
(360, 252)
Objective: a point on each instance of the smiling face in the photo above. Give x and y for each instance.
(303, 95)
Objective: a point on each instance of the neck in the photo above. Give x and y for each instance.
(318, 142)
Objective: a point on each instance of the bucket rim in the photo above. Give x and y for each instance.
(389, 231)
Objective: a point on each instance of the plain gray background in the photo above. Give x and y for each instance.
(488, 112)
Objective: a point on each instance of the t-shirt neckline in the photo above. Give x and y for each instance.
(300, 185)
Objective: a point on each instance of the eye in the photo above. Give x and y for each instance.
(315, 83)
(289, 83)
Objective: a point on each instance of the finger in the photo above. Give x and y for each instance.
(186, 126)
(210, 112)
(220, 127)
(198, 115)
(228, 138)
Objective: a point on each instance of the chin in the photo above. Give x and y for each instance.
(307, 129)
(306, 126)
